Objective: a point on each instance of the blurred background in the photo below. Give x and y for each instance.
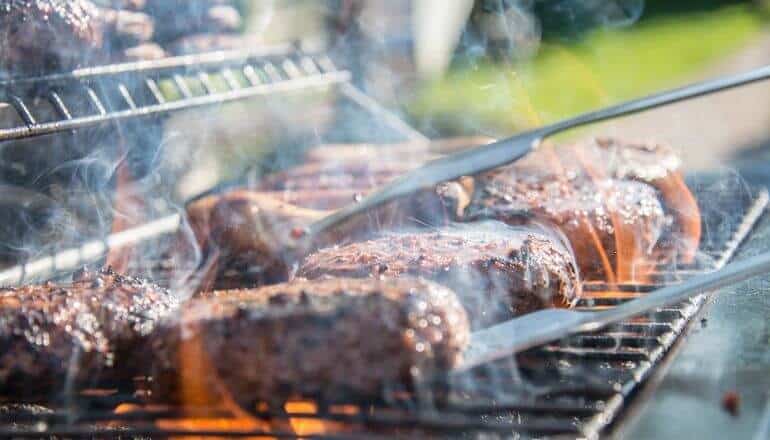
(495, 67)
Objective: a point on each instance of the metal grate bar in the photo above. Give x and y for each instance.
(97, 103)
(207, 85)
(230, 80)
(152, 86)
(59, 105)
(126, 95)
(279, 74)
(251, 75)
(574, 388)
(183, 87)
(23, 110)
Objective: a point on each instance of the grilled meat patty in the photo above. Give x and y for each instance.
(249, 230)
(246, 229)
(615, 201)
(45, 35)
(498, 270)
(658, 166)
(56, 339)
(309, 338)
(598, 217)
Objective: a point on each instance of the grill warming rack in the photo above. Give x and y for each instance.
(94, 96)
(576, 387)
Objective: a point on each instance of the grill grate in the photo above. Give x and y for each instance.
(576, 387)
(93, 96)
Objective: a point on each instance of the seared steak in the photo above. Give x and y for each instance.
(619, 204)
(46, 35)
(499, 271)
(657, 165)
(597, 217)
(310, 338)
(249, 230)
(56, 339)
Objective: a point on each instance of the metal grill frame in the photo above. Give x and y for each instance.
(645, 344)
(139, 88)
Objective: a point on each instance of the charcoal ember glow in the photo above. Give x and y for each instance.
(312, 338)
(498, 270)
(57, 339)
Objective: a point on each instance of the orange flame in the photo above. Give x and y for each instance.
(595, 242)
(627, 252)
(201, 389)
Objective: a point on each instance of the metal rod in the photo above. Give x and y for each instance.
(96, 101)
(196, 61)
(291, 68)
(476, 160)
(24, 113)
(182, 104)
(59, 105)
(229, 77)
(208, 86)
(123, 90)
(251, 75)
(181, 84)
(88, 253)
(155, 90)
(309, 65)
(272, 72)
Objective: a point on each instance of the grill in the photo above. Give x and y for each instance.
(95, 96)
(576, 387)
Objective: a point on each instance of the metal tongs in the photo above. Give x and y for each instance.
(548, 325)
(477, 160)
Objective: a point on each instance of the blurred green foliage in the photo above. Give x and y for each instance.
(603, 67)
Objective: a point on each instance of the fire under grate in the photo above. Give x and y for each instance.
(577, 387)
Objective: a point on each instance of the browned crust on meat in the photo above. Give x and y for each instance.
(659, 166)
(45, 35)
(498, 271)
(622, 204)
(597, 216)
(310, 338)
(59, 338)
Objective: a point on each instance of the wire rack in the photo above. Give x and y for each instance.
(577, 387)
(574, 388)
(95, 96)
